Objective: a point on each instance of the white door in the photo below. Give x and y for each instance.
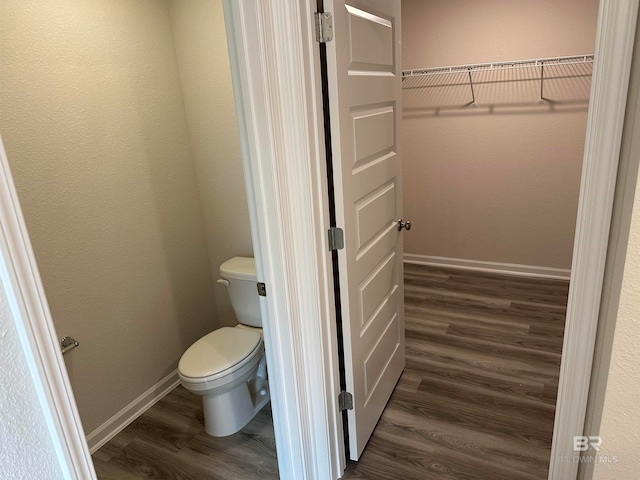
(365, 88)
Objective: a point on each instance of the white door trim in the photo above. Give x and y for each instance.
(32, 317)
(277, 87)
(610, 81)
(275, 77)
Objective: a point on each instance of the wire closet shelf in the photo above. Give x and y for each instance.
(478, 67)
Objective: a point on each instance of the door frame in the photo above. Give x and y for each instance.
(28, 305)
(276, 79)
(614, 50)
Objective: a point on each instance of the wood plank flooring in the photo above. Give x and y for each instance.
(169, 442)
(476, 399)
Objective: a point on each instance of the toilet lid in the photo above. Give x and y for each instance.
(218, 351)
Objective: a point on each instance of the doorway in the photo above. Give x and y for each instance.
(493, 150)
(121, 131)
(476, 172)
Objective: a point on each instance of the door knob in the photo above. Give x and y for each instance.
(406, 225)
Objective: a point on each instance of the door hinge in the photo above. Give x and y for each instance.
(336, 239)
(262, 289)
(324, 27)
(345, 401)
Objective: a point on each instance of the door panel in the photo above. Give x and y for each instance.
(364, 98)
(374, 135)
(374, 216)
(370, 39)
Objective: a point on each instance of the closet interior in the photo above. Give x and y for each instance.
(492, 152)
(495, 98)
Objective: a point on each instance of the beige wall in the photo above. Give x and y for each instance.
(92, 115)
(499, 185)
(201, 48)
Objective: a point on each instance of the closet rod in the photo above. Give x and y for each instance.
(536, 62)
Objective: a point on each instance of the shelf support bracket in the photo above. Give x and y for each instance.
(473, 95)
(542, 99)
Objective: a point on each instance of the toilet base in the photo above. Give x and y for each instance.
(227, 413)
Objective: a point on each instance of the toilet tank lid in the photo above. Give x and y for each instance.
(241, 268)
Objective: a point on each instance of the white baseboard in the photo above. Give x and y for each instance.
(128, 414)
(490, 267)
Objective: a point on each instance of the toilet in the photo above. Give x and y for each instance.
(227, 367)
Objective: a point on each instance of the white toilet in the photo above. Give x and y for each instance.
(227, 367)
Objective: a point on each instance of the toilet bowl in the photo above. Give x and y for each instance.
(227, 367)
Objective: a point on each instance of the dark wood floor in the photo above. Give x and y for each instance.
(476, 399)
(169, 442)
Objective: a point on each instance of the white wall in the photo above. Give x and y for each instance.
(92, 115)
(201, 48)
(26, 449)
(494, 184)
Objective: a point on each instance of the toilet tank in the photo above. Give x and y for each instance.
(240, 272)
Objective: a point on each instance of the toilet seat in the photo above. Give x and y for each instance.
(219, 354)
